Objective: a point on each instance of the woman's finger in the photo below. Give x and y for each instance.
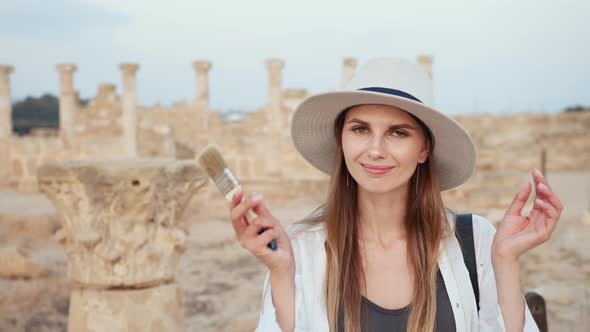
(261, 210)
(260, 243)
(240, 210)
(249, 236)
(541, 194)
(257, 224)
(550, 212)
(237, 198)
(238, 222)
(545, 224)
(550, 196)
(536, 212)
(539, 178)
(519, 200)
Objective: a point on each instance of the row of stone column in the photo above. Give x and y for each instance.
(69, 97)
(69, 100)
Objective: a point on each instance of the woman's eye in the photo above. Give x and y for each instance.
(396, 133)
(399, 133)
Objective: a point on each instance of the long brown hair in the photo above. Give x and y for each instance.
(426, 225)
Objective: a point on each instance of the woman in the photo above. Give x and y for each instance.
(382, 254)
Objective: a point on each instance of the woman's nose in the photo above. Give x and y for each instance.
(375, 151)
(375, 154)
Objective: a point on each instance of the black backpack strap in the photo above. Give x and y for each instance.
(464, 232)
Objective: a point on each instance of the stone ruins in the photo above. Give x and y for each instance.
(120, 176)
(113, 125)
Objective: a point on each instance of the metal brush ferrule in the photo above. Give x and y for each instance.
(226, 181)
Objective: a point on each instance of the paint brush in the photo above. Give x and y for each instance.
(211, 160)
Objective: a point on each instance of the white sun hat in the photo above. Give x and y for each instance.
(394, 82)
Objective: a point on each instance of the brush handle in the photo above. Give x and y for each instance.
(250, 215)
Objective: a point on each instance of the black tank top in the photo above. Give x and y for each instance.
(376, 319)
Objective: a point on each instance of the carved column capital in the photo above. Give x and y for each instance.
(350, 62)
(129, 68)
(120, 218)
(202, 67)
(6, 70)
(425, 61)
(5, 116)
(275, 64)
(202, 71)
(348, 70)
(66, 68)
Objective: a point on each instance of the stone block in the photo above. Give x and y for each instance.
(31, 166)
(17, 168)
(155, 309)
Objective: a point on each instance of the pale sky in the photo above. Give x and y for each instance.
(489, 56)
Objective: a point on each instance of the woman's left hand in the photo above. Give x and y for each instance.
(517, 233)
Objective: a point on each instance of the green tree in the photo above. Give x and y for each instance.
(33, 112)
(37, 112)
(577, 108)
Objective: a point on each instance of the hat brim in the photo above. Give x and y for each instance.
(312, 132)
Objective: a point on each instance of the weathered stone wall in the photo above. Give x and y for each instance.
(188, 124)
(258, 147)
(515, 141)
(102, 116)
(27, 154)
(510, 146)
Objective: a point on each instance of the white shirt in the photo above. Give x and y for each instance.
(310, 262)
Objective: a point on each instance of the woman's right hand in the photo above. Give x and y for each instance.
(279, 262)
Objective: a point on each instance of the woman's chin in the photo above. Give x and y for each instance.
(377, 188)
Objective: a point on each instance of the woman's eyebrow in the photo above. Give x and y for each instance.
(395, 126)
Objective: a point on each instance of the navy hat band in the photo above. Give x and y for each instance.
(394, 92)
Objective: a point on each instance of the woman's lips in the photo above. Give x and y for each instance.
(376, 170)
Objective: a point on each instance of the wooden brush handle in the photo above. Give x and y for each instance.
(250, 215)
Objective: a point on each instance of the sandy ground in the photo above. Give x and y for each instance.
(222, 283)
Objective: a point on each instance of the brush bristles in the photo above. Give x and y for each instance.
(212, 161)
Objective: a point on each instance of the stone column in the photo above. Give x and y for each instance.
(275, 68)
(291, 98)
(425, 61)
(68, 102)
(5, 102)
(5, 121)
(123, 238)
(348, 69)
(202, 72)
(129, 71)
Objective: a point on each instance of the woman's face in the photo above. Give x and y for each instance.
(382, 146)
